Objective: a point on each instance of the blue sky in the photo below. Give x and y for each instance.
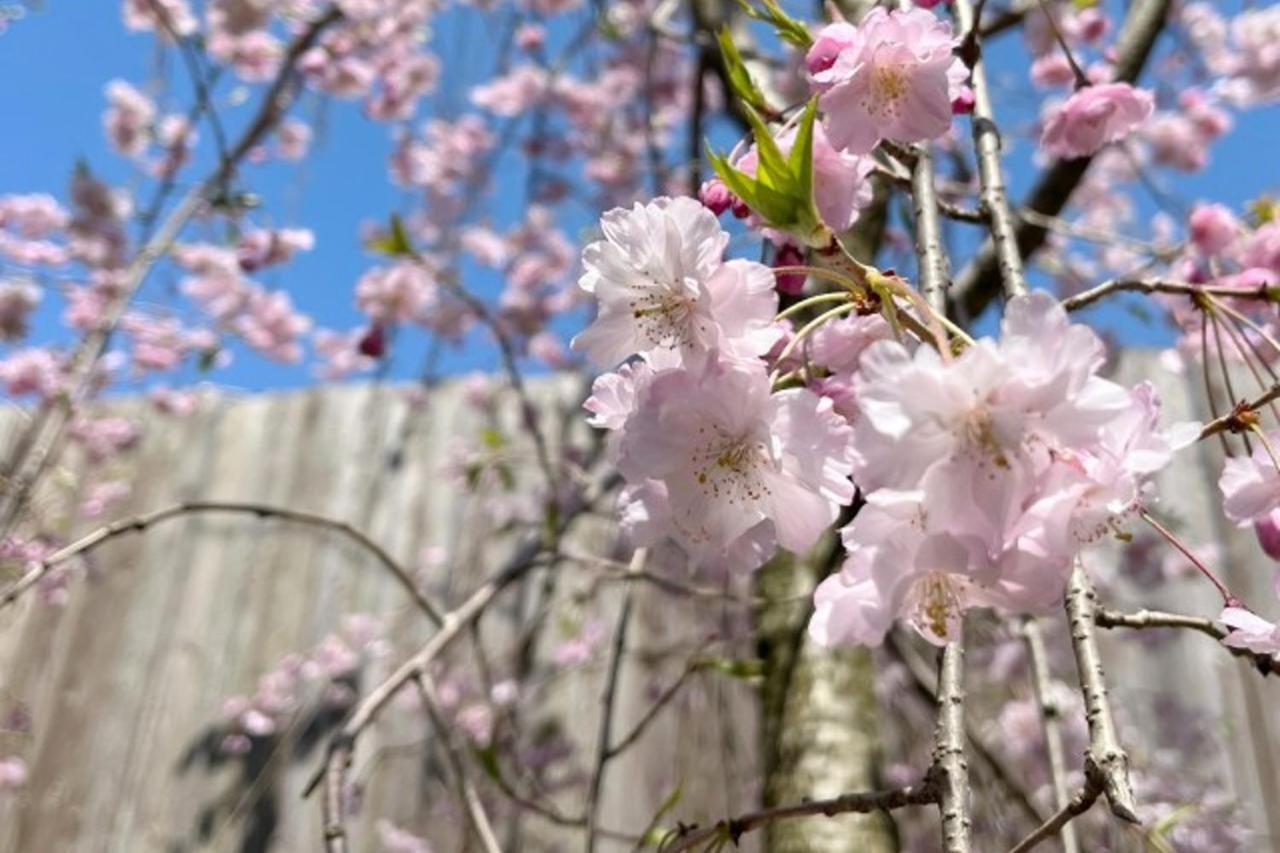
(55, 61)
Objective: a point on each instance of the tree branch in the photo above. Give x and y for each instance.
(1105, 756)
(687, 838)
(979, 283)
(141, 523)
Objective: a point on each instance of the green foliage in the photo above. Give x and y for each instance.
(395, 243)
(781, 192)
(788, 28)
(739, 77)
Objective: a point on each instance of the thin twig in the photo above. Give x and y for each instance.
(476, 813)
(1061, 821)
(141, 523)
(690, 837)
(1158, 285)
(1265, 664)
(1051, 722)
(342, 747)
(613, 672)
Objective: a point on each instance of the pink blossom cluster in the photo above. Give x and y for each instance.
(266, 320)
(327, 672)
(26, 224)
(712, 458)
(893, 76)
(984, 475)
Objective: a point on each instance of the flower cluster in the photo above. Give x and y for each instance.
(712, 458)
(985, 474)
(894, 76)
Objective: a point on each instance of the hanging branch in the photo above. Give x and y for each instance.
(37, 449)
(141, 523)
(950, 769)
(333, 773)
(980, 281)
(731, 830)
(613, 671)
(1051, 722)
(476, 813)
(1105, 759)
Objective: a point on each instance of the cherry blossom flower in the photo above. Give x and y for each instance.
(1093, 117)
(1250, 631)
(894, 76)
(1213, 228)
(985, 474)
(128, 120)
(731, 456)
(1251, 484)
(661, 283)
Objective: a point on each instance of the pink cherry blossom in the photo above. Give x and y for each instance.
(894, 76)
(1093, 117)
(731, 456)
(661, 283)
(128, 120)
(1250, 631)
(1251, 484)
(1213, 228)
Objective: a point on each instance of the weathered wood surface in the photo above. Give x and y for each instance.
(125, 680)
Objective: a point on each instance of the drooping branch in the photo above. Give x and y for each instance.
(987, 144)
(1051, 722)
(613, 672)
(141, 523)
(950, 768)
(476, 813)
(1266, 664)
(689, 838)
(333, 773)
(979, 283)
(36, 451)
(1105, 756)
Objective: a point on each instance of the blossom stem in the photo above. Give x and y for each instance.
(1227, 597)
(821, 272)
(1266, 445)
(1082, 79)
(806, 330)
(811, 301)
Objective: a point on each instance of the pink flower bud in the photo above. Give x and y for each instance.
(1213, 228)
(715, 196)
(789, 255)
(962, 103)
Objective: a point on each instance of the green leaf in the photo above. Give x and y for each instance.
(395, 243)
(787, 27)
(736, 70)
(802, 150)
